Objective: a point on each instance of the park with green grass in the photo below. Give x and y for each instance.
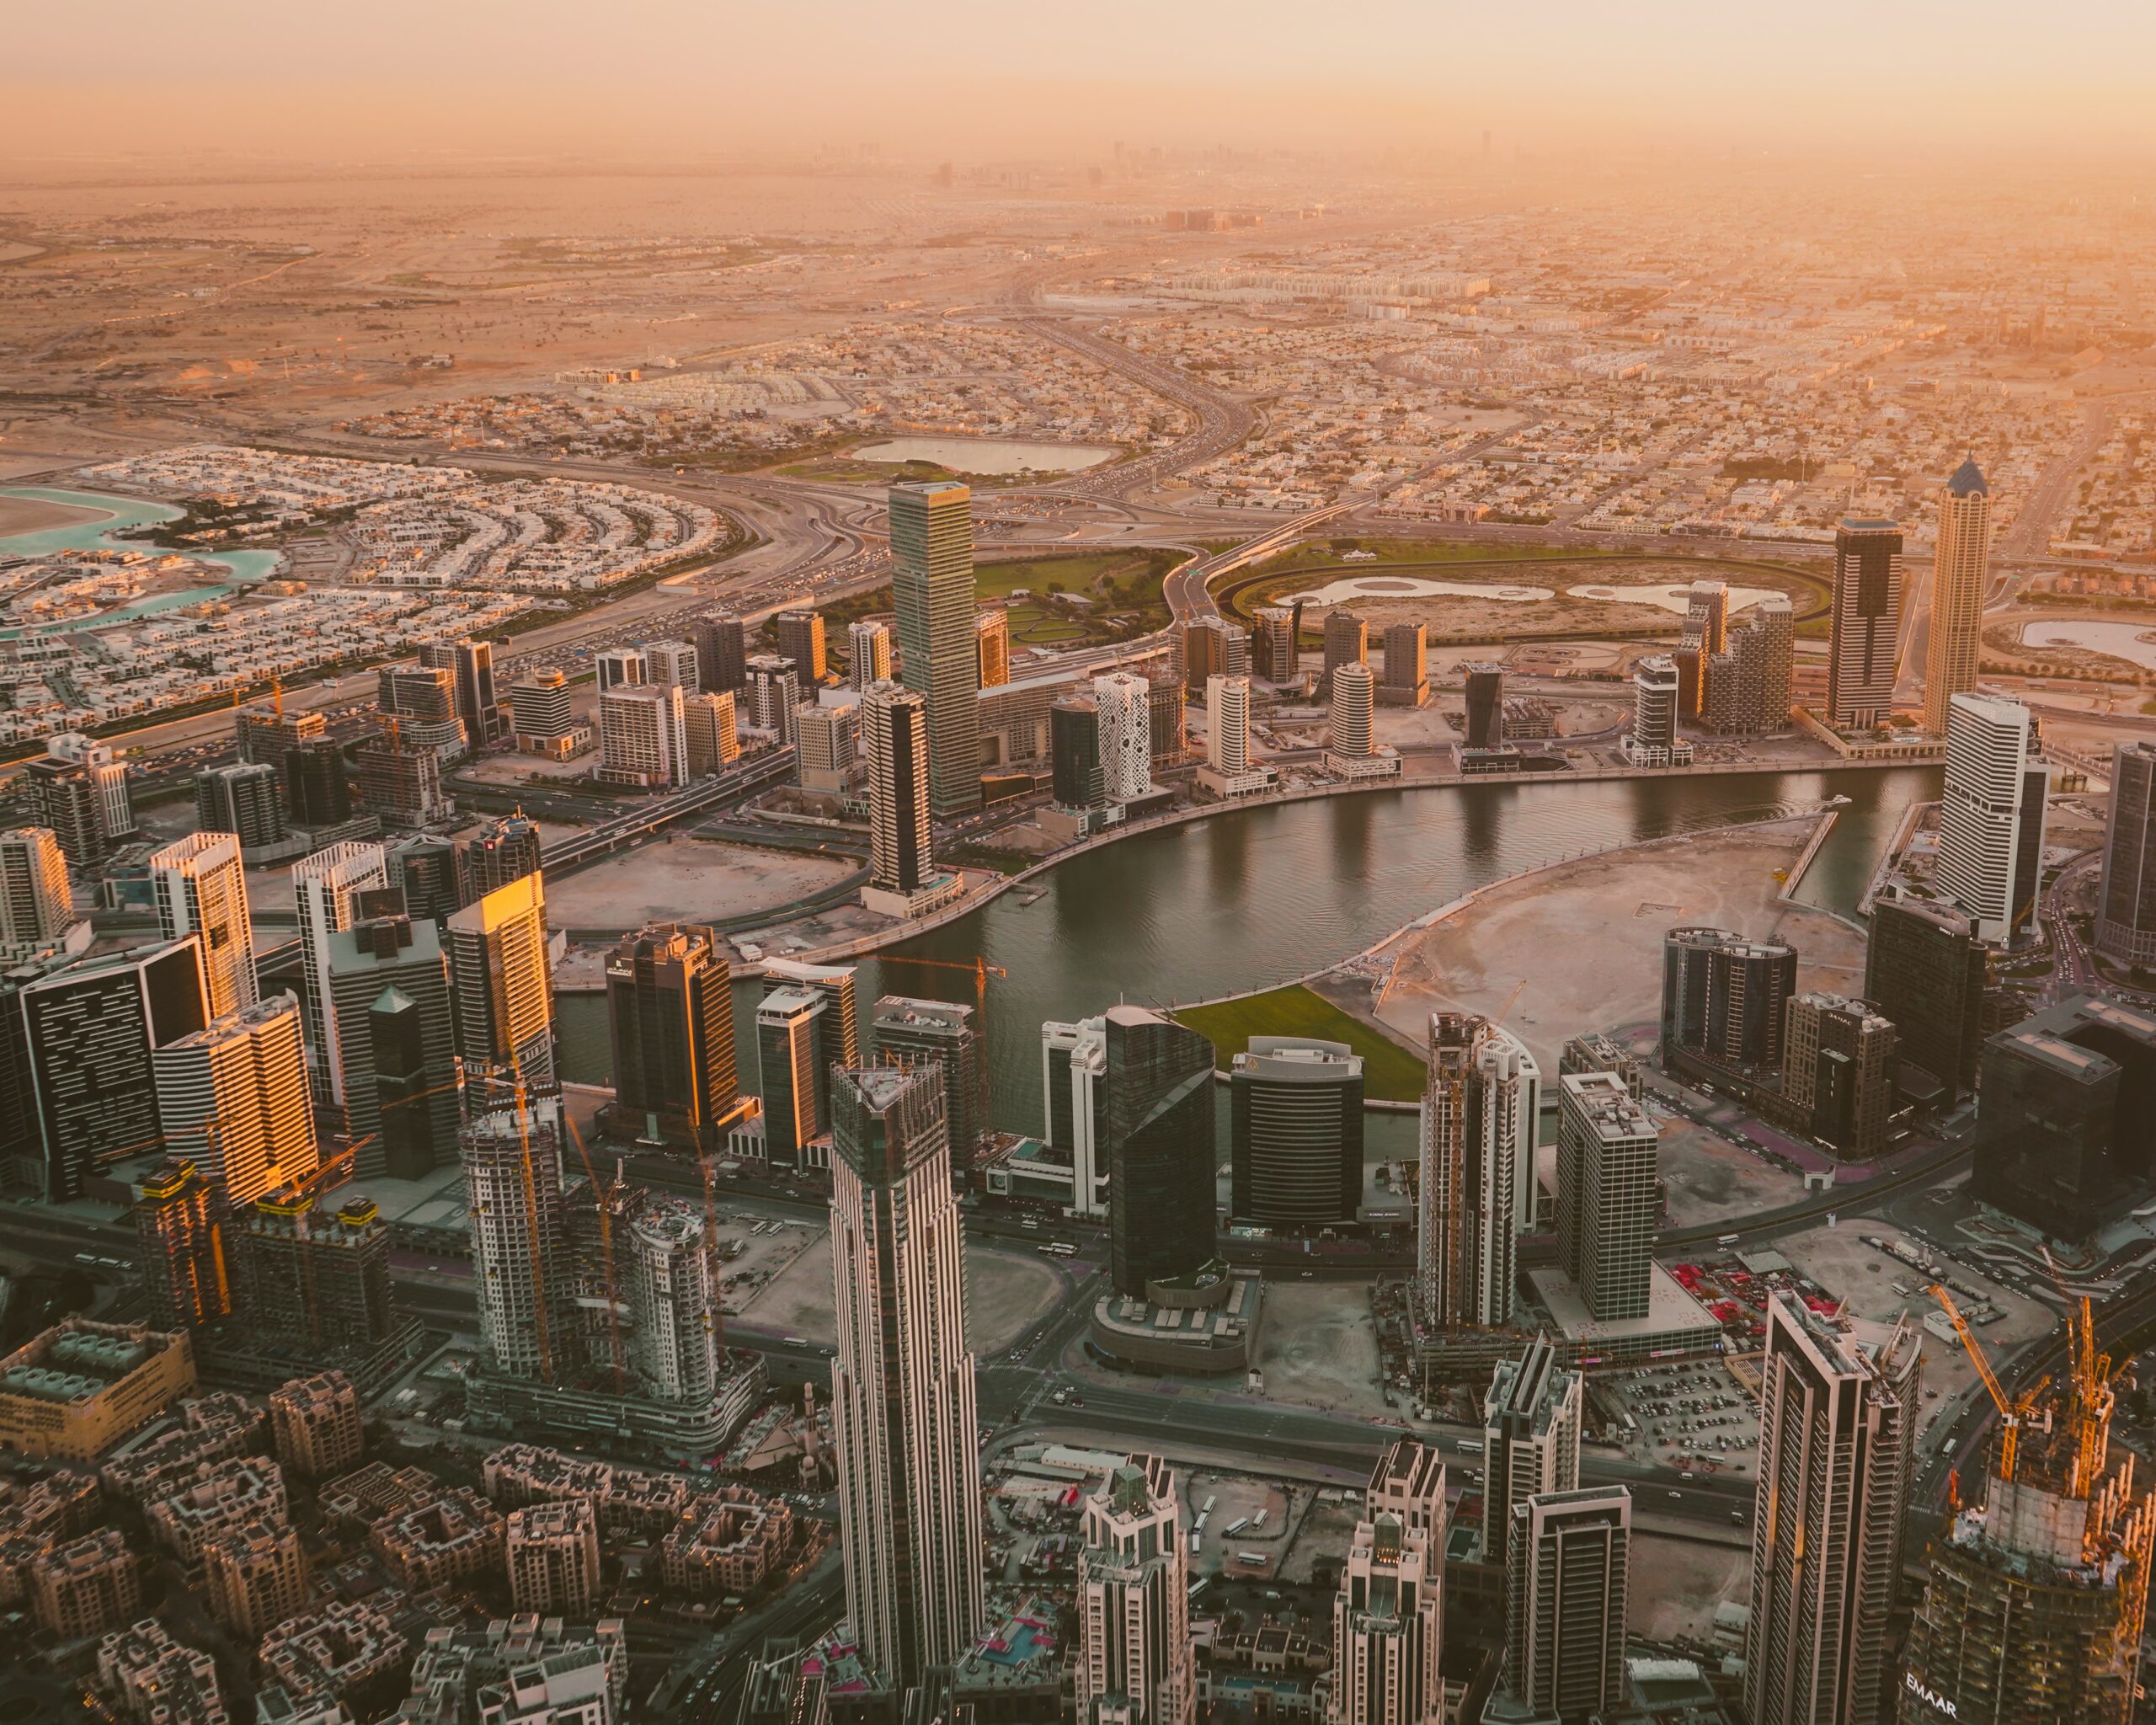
(1391, 1073)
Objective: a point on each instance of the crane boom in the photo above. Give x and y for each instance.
(2009, 1416)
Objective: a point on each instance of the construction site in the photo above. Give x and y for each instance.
(2039, 1589)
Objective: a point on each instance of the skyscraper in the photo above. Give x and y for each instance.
(1657, 698)
(428, 870)
(542, 713)
(1158, 1148)
(1388, 1618)
(327, 888)
(643, 736)
(202, 890)
(243, 797)
(36, 906)
(2125, 903)
(670, 1007)
(179, 1237)
(1227, 724)
(868, 654)
(1296, 1136)
(903, 1416)
(711, 729)
(507, 848)
(478, 704)
(1476, 1191)
(64, 800)
(1605, 1195)
(1531, 1418)
(1135, 1657)
(233, 1099)
(1407, 666)
(1961, 570)
(1837, 1431)
(1273, 644)
(894, 738)
(932, 592)
(672, 664)
(1991, 814)
(1354, 701)
(771, 695)
(1565, 1574)
(400, 779)
(800, 636)
(1346, 642)
(1486, 705)
(992, 645)
(792, 1071)
(1925, 970)
(316, 1276)
(841, 1032)
(679, 1347)
(512, 1157)
(619, 668)
(939, 1034)
(1075, 1107)
(1748, 681)
(827, 745)
(317, 786)
(2038, 1595)
(1867, 618)
(1838, 1071)
(1213, 646)
(502, 983)
(1726, 997)
(722, 652)
(2066, 1136)
(1126, 733)
(89, 1033)
(1075, 777)
(397, 1045)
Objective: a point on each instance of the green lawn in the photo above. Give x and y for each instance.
(1389, 1072)
(1326, 553)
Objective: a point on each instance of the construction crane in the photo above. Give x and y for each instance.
(606, 1199)
(2010, 1413)
(980, 968)
(1511, 999)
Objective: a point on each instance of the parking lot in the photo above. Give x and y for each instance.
(1694, 1416)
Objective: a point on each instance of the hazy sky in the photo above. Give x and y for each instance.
(983, 76)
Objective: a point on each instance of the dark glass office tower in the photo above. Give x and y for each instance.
(1159, 1151)
(671, 1008)
(1924, 969)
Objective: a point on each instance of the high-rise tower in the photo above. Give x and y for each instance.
(894, 737)
(202, 890)
(36, 907)
(1991, 814)
(1477, 1191)
(1837, 1431)
(1388, 1618)
(1862, 656)
(1135, 1660)
(2125, 903)
(1531, 1435)
(1960, 569)
(933, 592)
(502, 983)
(1568, 1564)
(512, 1157)
(903, 1409)
(669, 1008)
(1158, 1148)
(1606, 1195)
(328, 887)
(233, 1099)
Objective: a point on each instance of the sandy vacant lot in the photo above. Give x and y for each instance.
(1608, 916)
(1317, 1345)
(1675, 1585)
(1005, 1294)
(686, 880)
(1865, 1278)
(1709, 1177)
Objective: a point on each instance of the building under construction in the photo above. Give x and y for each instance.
(599, 1304)
(2034, 1607)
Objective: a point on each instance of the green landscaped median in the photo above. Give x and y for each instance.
(1389, 1072)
